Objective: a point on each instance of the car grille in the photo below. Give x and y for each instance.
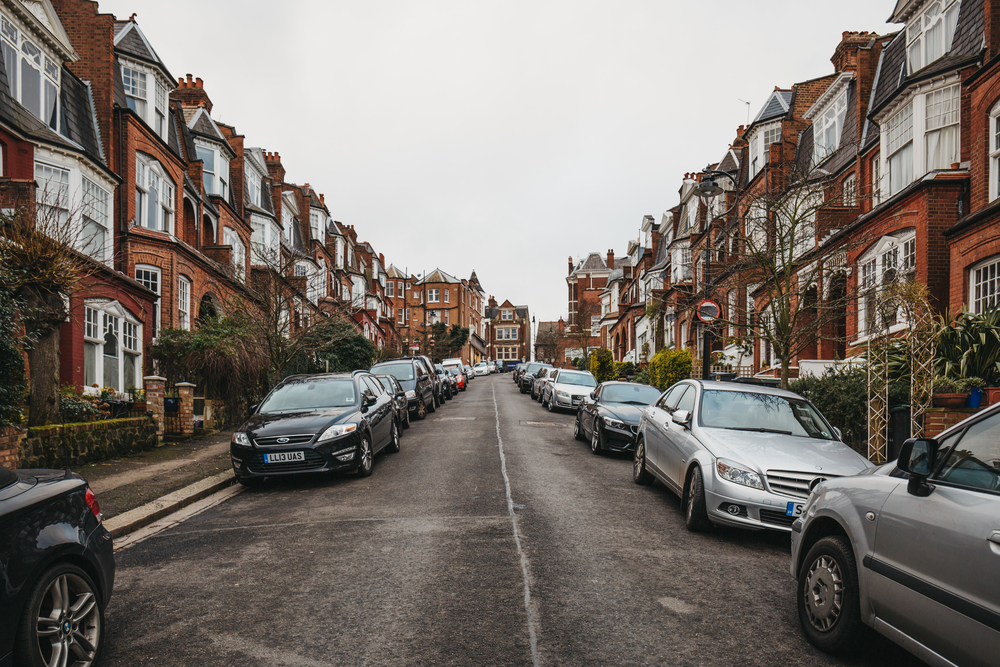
(776, 518)
(272, 441)
(313, 461)
(790, 483)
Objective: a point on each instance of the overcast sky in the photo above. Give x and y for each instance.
(498, 136)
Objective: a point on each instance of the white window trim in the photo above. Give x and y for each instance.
(157, 319)
(166, 212)
(183, 303)
(153, 79)
(916, 96)
(896, 241)
(758, 150)
(220, 175)
(48, 67)
(994, 150)
(115, 309)
(916, 29)
(974, 303)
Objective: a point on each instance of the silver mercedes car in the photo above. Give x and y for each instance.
(737, 454)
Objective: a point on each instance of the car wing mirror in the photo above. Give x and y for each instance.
(916, 458)
(253, 408)
(682, 417)
(593, 395)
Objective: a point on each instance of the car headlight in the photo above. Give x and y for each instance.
(336, 431)
(564, 394)
(240, 439)
(614, 423)
(411, 394)
(736, 474)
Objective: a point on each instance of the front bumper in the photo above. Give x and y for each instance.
(322, 457)
(620, 440)
(571, 403)
(759, 510)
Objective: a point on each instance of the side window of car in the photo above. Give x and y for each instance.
(687, 400)
(669, 399)
(975, 461)
(374, 385)
(365, 388)
(419, 369)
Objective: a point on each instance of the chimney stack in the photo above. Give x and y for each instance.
(845, 56)
(191, 93)
(570, 265)
(611, 259)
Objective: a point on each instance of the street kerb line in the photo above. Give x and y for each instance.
(176, 518)
(532, 638)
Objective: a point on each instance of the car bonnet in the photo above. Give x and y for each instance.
(776, 451)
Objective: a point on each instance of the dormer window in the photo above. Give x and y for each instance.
(33, 75)
(929, 34)
(214, 170)
(316, 225)
(146, 95)
(827, 128)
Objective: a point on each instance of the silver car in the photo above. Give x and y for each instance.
(566, 389)
(740, 455)
(911, 549)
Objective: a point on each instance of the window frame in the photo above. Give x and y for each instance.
(183, 303)
(976, 303)
(15, 39)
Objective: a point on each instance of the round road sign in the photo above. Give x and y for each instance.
(708, 311)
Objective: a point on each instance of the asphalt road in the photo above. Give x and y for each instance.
(492, 538)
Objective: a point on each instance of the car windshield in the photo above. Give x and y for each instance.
(455, 371)
(633, 394)
(311, 394)
(580, 379)
(401, 372)
(765, 413)
(387, 383)
(533, 368)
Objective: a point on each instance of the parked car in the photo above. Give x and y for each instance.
(482, 368)
(567, 388)
(394, 389)
(492, 366)
(316, 423)
(459, 376)
(528, 375)
(541, 379)
(57, 566)
(416, 381)
(516, 374)
(739, 455)
(438, 388)
(911, 549)
(448, 386)
(608, 417)
(469, 372)
(450, 364)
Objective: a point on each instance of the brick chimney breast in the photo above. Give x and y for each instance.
(191, 93)
(611, 259)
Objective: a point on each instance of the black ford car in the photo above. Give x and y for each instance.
(609, 416)
(316, 423)
(57, 567)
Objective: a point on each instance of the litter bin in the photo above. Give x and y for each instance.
(899, 429)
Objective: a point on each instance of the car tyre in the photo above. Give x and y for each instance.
(421, 409)
(394, 438)
(550, 404)
(432, 407)
(695, 514)
(578, 428)
(366, 457)
(597, 440)
(640, 475)
(521, 387)
(63, 596)
(828, 579)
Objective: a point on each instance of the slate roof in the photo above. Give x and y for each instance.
(731, 163)
(547, 327)
(592, 263)
(777, 105)
(130, 41)
(78, 124)
(967, 43)
(438, 276)
(521, 311)
(396, 273)
(474, 281)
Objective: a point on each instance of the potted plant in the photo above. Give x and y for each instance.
(948, 393)
(975, 387)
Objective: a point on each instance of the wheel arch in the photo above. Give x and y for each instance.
(820, 527)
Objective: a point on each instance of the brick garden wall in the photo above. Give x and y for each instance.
(93, 441)
(10, 446)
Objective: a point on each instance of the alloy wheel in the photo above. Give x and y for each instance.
(823, 593)
(365, 454)
(68, 628)
(639, 463)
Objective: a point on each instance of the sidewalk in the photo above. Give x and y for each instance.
(138, 490)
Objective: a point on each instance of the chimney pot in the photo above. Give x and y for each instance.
(189, 80)
(198, 82)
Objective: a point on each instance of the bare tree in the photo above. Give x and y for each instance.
(581, 332)
(547, 342)
(43, 264)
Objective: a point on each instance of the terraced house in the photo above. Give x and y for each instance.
(895, 157)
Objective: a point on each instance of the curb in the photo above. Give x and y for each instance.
(125, 523)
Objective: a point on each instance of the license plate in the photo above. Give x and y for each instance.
(794, 509)
(284, 457)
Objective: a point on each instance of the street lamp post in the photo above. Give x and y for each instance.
(708, 190)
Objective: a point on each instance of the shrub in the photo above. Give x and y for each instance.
(841, 394)
(602, 365)
(13, 382)
(75, 409)
(642, 376)
(669, 366)
(625, 369)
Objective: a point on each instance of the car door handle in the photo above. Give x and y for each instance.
(995, 537)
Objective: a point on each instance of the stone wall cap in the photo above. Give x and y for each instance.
(185, 384)
(154, 377)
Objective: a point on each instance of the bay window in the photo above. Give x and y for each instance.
(214, 169)
(96, 220)
(154, 195)
(900, 148)
(112, 352)
(891, 259)
(827, 128)
(942, 107)
(233, 240)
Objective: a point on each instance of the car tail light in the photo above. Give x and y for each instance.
(94, 506)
